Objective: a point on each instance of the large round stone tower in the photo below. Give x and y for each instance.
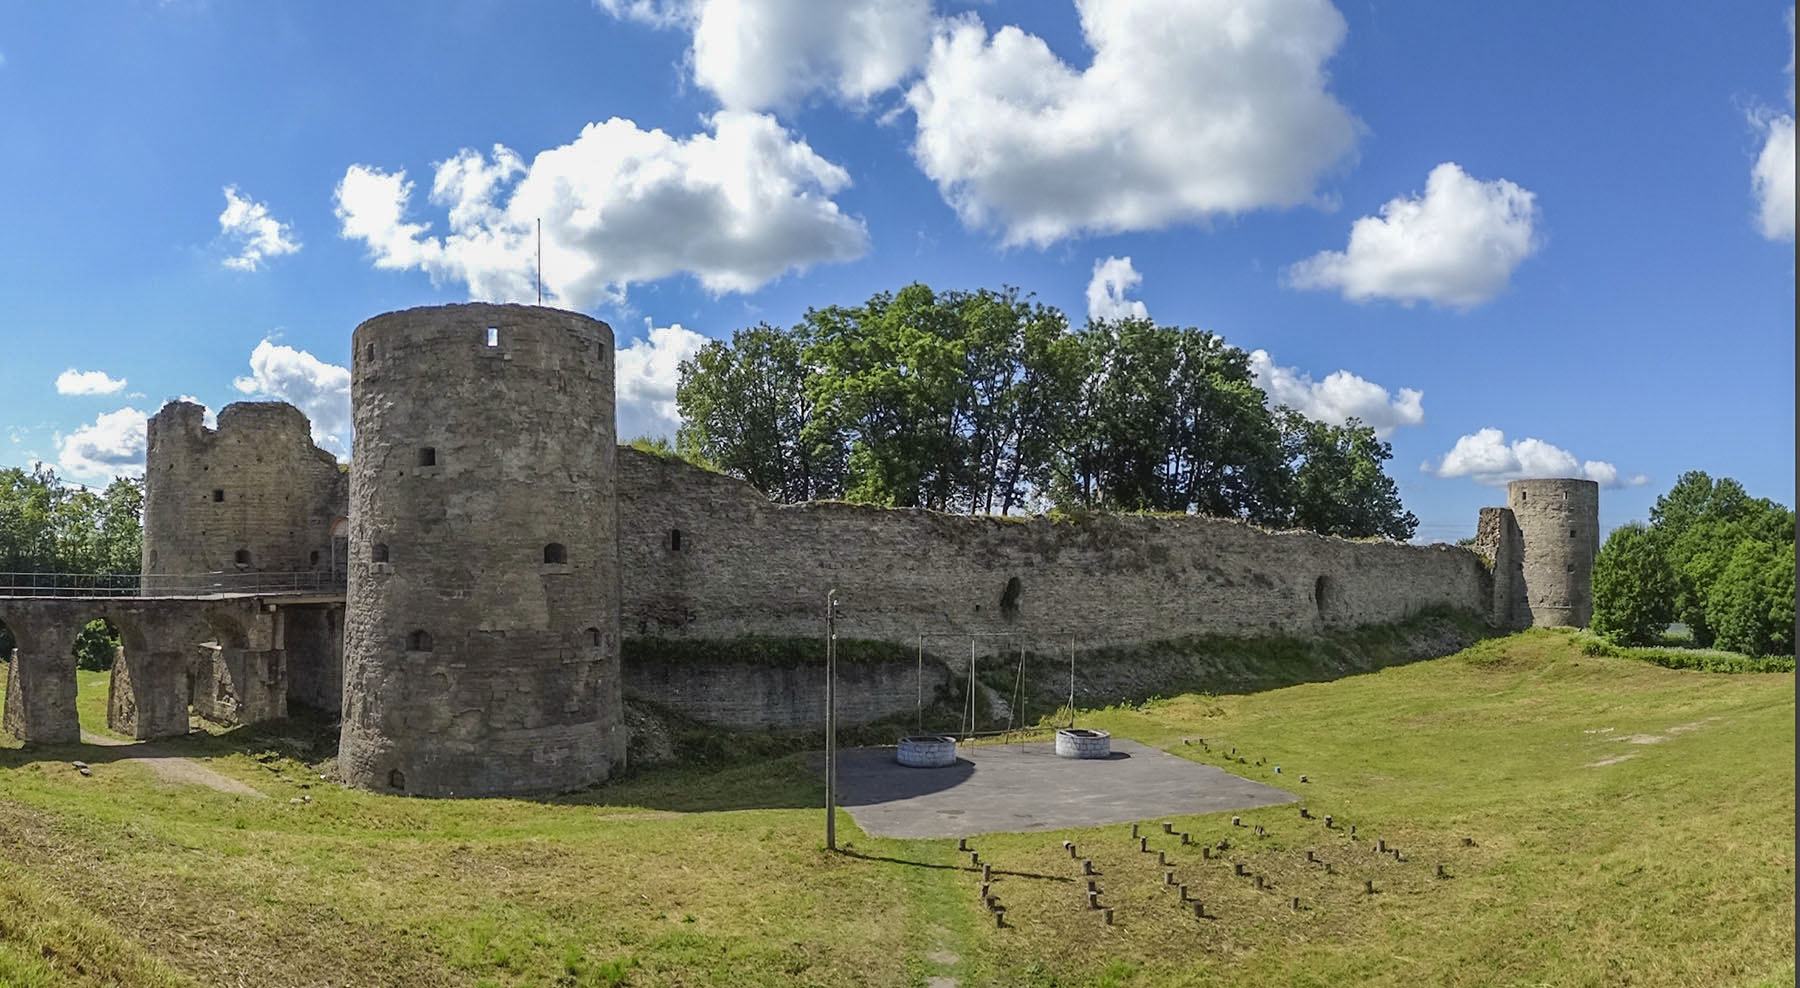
(481, 647)
(1559, 530)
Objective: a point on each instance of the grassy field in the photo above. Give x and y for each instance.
(1627, 824)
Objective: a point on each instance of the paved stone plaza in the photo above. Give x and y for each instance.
(1027, 787)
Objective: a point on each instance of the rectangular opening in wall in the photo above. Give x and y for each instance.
(674, 540)
(493, 336)
(369, 351)
(428, 456)
(218, 495)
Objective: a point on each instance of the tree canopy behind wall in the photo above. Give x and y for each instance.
(990, 402)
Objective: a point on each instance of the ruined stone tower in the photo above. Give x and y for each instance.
(1543, 570)
(481, 644)
(253, 497)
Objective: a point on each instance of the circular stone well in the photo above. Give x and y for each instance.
(1078, 742)
(926, 751)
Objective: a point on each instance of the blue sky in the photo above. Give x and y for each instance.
(1521, 238)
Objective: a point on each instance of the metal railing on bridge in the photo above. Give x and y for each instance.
(166, 585)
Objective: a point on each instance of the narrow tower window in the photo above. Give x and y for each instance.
(593, 636)
(242, 558)
(378, 553)
(674, 540)
(368, 351)
(428, 456)
(218, 495)
(493, 336)
(418, 641)
(556, 553)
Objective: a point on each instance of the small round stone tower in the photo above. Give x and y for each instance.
(481, 646)
(1559, 530)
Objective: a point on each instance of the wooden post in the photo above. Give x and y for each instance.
(831, 719)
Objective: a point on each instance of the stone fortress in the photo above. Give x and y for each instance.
(494, 544)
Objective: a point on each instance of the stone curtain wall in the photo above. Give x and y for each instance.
(704, 556)
(746, 696)
(257, 484)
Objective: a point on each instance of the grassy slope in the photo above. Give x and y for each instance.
(1671, 867)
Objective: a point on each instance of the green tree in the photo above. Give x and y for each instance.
(1702, 521)
(1338, 486)
(1173, 421)
(985, 402)
(1634, 586)
(1751, 604)
(27, 532)
(746, 410)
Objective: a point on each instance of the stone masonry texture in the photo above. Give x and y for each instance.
(705, 556)
(254, 496)
(1559, 531)
(481, 636)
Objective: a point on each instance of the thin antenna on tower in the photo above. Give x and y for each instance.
(540, 260)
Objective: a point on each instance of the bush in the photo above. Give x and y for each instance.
(1697, 659)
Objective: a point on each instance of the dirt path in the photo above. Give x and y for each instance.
(182, 771)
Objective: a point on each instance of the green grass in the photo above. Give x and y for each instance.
(1631, 825)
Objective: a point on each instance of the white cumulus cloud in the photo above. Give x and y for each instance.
(74, 382)
(646, 375)
(1488, 458)
(1340, 397)
(1112, 278)
(772, 54)
(251, 233)
(1187, 111)
(320, 389)
(736, 208)
(1457, 245)
(110, 446)
(1772, 177)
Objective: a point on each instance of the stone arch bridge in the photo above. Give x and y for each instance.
(233, 656)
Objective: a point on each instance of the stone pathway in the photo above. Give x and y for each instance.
(942, 958)
(181, 771)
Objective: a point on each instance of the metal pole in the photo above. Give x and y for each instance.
(831, 720)
(1071, 681)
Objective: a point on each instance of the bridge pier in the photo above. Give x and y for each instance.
(239, 685)
(149, 694)
(40, 688)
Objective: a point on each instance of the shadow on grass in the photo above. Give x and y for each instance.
(884, 859)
